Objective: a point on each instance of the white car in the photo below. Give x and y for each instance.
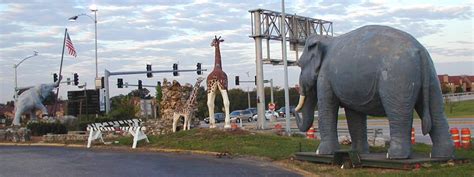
(268, 115)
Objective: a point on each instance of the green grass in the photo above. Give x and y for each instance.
(460, 109)
(233, 142)
(281, 148)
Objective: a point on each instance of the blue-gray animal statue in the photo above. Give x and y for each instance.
(377, 71)
(32, 99)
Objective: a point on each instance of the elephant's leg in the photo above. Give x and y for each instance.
(328, 105)
(357, 123)
(225, 99)
(442, 143)
(18, 112)
(399, 109)
(43, 109)
(33, 115)
(211, 96)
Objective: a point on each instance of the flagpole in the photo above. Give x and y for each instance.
(60, 77)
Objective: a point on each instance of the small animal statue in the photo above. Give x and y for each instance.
(373, 70)
(217, 79)
(187, 112)
(31, 100)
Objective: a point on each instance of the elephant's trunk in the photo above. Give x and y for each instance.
(306, 105)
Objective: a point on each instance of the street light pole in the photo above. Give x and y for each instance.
(15, 66)
(94, 9)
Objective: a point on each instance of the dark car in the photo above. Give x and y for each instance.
(238, 115)
(281, 111)
(220, 117)
(253, 110)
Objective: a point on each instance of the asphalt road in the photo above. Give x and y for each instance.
(16, 161)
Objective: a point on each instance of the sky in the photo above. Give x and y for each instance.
(132, 33)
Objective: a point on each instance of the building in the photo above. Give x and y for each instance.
(451, 84)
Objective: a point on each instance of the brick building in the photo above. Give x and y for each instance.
(462, 82)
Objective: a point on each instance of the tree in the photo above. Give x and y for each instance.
(445, 88)
(122, 108)
(458, 89)
(159, 93)
(141, 93)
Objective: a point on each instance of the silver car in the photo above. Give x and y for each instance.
(239, 115)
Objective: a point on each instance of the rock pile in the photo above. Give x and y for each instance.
(174, 96)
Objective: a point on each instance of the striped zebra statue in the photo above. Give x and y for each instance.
(133, 126)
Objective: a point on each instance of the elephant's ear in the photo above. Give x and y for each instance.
(311, 53)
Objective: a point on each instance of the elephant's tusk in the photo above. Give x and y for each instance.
(300, 103)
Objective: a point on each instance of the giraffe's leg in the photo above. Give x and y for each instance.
(188, 120)
(211, 96)
(225, 99)
(175, 121)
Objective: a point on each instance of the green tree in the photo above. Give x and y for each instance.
(458, 89)
(445, 88)
(159, 93)
(122, 108)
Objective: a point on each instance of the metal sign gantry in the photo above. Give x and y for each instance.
(266, 24)
(272, 25)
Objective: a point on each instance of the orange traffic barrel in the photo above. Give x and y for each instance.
(455, 136)
(233, 126)
(466, 138)
(278, 127)
(310, 133)
(412, 135)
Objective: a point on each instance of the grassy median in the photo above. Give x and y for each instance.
(281, 148)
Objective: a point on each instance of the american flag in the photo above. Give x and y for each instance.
(70, 47)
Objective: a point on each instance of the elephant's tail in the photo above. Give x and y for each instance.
(425, 113)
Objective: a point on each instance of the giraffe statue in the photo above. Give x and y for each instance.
(217, 79)
(188, 110)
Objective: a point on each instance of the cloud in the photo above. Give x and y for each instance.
(162, 32)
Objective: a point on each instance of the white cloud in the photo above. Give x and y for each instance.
(132, 33)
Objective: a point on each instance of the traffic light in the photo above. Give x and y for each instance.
(119, 82)
(55, 77)
(175, 68)
(255, 80)
(76, 79)
(140, 86)
(198, 67)
(102, 82)
(237, 80)
(148, 68)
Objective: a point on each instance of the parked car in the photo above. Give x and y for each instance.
(281, 111)
(253, 110)
(268, 115)
(238, 115)
(220, 117)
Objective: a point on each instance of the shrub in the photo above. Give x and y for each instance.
(43, 128)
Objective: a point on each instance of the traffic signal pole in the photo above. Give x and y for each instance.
(107, 74)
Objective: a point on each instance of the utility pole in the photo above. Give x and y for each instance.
(285, 66)
(259, 72)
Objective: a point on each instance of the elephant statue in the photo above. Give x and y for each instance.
(31, 100)
(373, 70)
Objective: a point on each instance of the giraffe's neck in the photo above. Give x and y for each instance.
(192, 97)
(217, 61)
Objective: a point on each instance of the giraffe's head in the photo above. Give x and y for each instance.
(200, 79)
(215, 42)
